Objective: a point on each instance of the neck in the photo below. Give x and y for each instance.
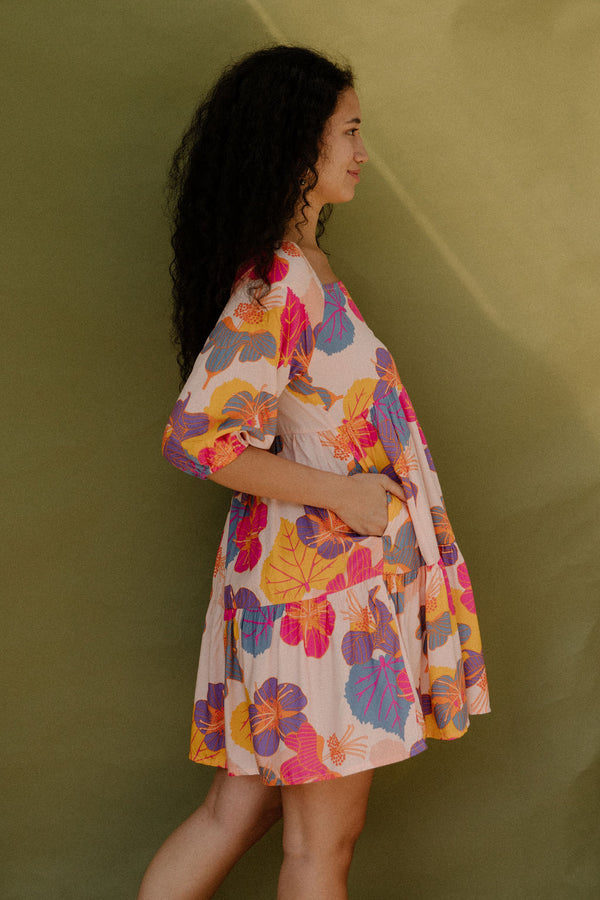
(303, 233)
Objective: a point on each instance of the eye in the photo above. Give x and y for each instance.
(353, 131)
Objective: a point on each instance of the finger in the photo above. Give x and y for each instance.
(394, 488)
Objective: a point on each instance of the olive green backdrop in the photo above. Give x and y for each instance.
(473, 249)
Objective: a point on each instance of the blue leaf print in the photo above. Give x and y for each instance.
(223, 343)
(256, 627)
(464, 633)
(390, 420)
(374, 696)
(233, 669)
(438, 631)
(398, 601)
(404, 551)
(236, 514)
(336, 332)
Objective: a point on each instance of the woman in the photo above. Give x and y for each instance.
(341, 630)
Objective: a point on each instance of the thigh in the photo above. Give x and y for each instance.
(323, 813)
(240, 799)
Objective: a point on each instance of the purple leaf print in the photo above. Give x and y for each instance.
(243, 599)
(386, 638)
(357, 647)
(449, 554)
(418, 747)
(183, 425)
(426, 706)
(374, 695)
(474, 667)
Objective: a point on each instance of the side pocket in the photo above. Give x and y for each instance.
(395, 510)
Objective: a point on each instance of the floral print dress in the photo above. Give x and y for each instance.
(325, 652)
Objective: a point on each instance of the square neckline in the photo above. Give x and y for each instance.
(323, 284)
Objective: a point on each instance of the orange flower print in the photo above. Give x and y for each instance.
(254, 413)
(340, 748)
(251, 313)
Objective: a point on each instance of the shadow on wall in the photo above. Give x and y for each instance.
(520, 477)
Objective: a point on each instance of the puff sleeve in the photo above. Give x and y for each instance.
(229, 402)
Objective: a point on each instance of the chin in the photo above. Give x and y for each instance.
(345, 196)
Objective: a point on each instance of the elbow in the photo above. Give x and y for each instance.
(174, 452)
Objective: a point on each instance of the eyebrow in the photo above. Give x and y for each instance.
(351, 121)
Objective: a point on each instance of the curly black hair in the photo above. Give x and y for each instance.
(243, 166)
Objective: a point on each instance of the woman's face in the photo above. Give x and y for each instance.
(342, 154)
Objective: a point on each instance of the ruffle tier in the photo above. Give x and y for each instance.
(328, 686)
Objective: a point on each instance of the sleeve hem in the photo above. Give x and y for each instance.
(228, 448)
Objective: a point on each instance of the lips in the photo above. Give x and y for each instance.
(355, 173)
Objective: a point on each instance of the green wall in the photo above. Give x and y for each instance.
(472, 247)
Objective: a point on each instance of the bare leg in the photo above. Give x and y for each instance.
(195, 859)
(321, 824)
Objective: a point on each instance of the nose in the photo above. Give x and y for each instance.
(360, 153)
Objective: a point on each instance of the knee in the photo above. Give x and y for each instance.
(334, 841)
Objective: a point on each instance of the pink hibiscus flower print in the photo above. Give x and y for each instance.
(275, 714)
(247, 536)
(352, 438)
(307, 764)
(309, 621)
(466, 598)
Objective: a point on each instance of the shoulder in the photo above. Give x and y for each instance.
(292, 280)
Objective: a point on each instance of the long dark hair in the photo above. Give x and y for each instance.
(238, 175)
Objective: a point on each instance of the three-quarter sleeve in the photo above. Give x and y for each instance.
(229, 402)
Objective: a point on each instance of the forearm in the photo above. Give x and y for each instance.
(266, 475)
